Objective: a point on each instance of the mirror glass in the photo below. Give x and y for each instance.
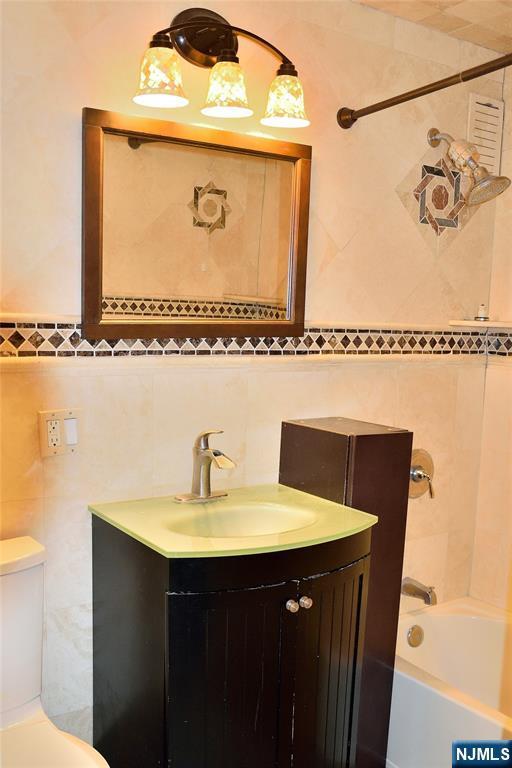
(194, 231)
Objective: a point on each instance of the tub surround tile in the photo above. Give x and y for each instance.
(457, 574)
(492, 569)
(425, 560)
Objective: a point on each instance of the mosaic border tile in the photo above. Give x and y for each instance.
(499, 343)
(190, 306)
(18, 339)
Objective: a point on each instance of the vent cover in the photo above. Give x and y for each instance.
(485, 129)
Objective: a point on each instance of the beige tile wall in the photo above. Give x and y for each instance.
(367, 259)
(492, 561)
(491, 576)
(367, 262)
(484, 22)
(491, 579)
(138, 421)
(501, 283)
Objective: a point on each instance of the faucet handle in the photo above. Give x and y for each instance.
(201, 440)
(221, 460)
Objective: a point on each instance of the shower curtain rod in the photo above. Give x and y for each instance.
(347, 117)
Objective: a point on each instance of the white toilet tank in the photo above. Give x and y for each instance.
(21, 619)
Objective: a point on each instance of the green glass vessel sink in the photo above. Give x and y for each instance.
(262, 518)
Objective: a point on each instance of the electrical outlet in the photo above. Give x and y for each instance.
(53, 429)
(58, 432)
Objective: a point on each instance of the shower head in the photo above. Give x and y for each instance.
(486, 186)
(465, 157)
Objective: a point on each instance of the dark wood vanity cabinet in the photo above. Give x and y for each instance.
(251, 684)
(366, 466)
(200, 663)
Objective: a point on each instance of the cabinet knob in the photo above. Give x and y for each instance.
(292, 606)
(306, 602)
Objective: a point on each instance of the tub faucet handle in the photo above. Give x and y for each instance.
(418, 474)
(421, 474)
(430, 486)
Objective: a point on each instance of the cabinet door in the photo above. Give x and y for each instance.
(327, 674)
(229, 680)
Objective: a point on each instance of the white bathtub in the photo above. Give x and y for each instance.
(450, 687)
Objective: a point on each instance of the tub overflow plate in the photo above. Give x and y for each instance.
(415, 635)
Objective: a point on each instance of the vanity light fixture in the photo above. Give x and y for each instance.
(465, 157)
(204, 38)
(285, 106)
(227, 96)
(160, 83)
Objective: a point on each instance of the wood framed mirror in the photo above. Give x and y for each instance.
(191, 232)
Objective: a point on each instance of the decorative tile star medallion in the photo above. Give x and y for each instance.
(439, 197)
(209, 207)
(433, 195)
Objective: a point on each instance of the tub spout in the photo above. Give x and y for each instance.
(413, 588)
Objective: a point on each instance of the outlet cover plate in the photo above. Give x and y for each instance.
(53, 433)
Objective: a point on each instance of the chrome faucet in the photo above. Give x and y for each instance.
(203, 457)
(413, 588)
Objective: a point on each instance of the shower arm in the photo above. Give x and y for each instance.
(435, 137)
(347, 117)
(441, 137)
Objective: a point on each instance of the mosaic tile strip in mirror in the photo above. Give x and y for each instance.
(190, 306)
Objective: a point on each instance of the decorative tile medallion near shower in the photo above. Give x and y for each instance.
(439, 196)
(433, 195)
(187, 226)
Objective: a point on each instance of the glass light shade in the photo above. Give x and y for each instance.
(160, 83)
(227, 96)
(285, 106)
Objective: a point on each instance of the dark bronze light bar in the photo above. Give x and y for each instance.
(347, 117)
(204, 38)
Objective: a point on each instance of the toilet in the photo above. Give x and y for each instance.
(28, 739)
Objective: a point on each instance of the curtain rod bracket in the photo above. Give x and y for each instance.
(346, 117)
